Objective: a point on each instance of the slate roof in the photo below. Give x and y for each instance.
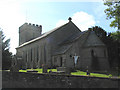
(65, 45)
(72, 38)
(82, 36)
(94, 40)
(61, 49)
(42, 36)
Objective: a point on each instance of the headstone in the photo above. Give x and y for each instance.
(61, 68)
(68, 70)
(15, 65)
(65, 70)
(14, 68)
(32, 71)
(44, 66)
(60, 72)
(87, 71)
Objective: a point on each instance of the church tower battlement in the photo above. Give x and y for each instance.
(28, 32)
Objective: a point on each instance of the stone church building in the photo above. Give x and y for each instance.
(58, 47)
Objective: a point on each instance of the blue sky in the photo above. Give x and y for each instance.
(84, 14)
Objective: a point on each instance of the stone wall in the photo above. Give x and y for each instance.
(28, 32)
(35, 80)
(44, 46)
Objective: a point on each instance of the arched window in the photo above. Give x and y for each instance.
(61, 59)
(55, 61)
(37, 53)
(92, 53)
(26, 56)
(31, 54)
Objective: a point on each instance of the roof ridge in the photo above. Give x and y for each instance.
(42, 36)
(90, 31)
(80, 35)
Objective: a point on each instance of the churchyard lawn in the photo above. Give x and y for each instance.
(39, 70)
(78, 72)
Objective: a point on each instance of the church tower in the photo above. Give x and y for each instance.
(28, 32)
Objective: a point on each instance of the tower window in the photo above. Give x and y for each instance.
(92, 53)
(37, 53)
(31, 54)
(61, 61)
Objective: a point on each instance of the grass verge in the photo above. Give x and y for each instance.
(80, 73)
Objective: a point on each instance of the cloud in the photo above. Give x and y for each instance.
(10, 20)
(82, 19)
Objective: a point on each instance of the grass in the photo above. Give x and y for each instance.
(22, 70)
(39, 70)
(91, 74)
(4, 70)
(100, 75)
(78, 72)
(53, 70)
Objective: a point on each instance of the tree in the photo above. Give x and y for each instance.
(113, 12)
(116, 36)
(6, 55)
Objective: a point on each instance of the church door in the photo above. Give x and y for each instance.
(61, 59)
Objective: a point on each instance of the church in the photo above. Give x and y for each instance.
(64, 46)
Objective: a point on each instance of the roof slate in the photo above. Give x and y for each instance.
(72, 38)
(42, 36)
(61, 49)
(93, 40)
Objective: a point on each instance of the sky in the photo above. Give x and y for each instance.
(50, 14)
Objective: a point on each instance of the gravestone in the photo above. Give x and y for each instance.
(44, 66)
(87, 71)
(32, 71)
(14, 68)
(15, 65)
(67, 70)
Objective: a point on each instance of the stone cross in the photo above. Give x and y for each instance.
(75, 58)
(44, 66)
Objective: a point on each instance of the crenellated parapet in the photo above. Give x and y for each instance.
(36, 25)
(29, 31)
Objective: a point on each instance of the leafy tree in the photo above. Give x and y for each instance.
(116, 36)
(6, 55)
(113, 12)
